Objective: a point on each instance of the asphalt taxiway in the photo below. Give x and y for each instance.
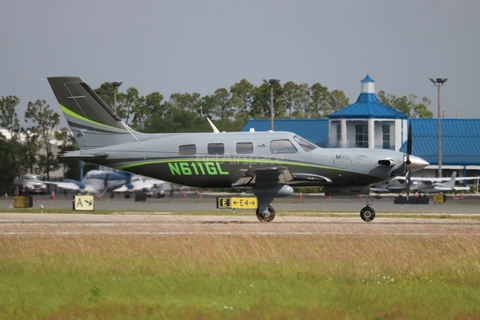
(303, 216)
(312, 203)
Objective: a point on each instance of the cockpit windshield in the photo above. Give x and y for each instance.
(305, 144)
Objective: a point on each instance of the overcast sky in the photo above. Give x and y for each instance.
(199, 46)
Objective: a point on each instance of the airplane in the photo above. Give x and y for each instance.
(437, 186)
(270, 163)
(138, 183)
(95, 182)
(395, 185)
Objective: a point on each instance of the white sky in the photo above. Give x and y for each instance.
(199, 46)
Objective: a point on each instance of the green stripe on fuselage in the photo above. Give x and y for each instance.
(221, 160)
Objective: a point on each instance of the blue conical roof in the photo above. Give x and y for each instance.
(368, 106)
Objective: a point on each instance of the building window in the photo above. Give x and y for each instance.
(386, 136)
(187, 149)
(244, 147)
(339, 133)
(361, 136)
(216, 148)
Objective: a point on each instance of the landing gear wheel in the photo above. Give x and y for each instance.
(367, 214)
(271, 216)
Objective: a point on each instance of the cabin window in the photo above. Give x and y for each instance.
(305, 144)
(188, 149)
(244, 147)
(282, 146)
(216, 148)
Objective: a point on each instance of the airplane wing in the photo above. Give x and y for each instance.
(462, 188)
(276, 175)
(65, 185)
(135, 187)
(76, 186)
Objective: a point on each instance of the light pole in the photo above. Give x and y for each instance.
(438, 82)
(115, 89)
(271, 83)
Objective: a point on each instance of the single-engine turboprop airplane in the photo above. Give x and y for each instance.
(270, 163)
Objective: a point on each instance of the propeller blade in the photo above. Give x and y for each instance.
(409, 143)
(407, 182)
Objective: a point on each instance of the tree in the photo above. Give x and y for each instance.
(222, 107)
(320, 98)
(406, 104)
(337, 100)
(303, 102)
(106, 92)
(8, 116)
(152, 107)
(242, 96)
(67, 143)
(130, 106)
(420, 109)
(44, 121)
(12, 164)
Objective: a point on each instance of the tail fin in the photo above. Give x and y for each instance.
(451, 182)
(92, 122)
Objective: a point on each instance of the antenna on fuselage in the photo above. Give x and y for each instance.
(215, 130)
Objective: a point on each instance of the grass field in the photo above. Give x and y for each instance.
(237, 277)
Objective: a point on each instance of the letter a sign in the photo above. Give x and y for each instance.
(83, 203)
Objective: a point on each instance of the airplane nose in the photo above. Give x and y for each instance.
(416, 163)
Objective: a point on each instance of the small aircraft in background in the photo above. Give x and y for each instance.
(95, 182)
(436, 185)
(421, 184)
(153, 187)
(270, 163)
(395, 185)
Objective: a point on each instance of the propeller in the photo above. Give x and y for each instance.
(407, 182)
(409, 143)
(105, 184)
(408, 173)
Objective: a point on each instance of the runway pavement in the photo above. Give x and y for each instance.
(300, 218)
(311, 203)
(176, 225)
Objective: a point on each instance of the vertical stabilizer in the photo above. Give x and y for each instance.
(451, 182)
(91, 120)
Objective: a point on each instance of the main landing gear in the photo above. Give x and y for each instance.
(266, 216)
(367, 214)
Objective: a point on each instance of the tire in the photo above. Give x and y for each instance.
(367, 214)
(270, 218)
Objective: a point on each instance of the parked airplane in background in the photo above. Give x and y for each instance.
(395, 185)
(437, 186)
(96, 182)
(268, 162)
(144, 184)
(421, 184)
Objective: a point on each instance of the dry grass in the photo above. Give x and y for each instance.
(205, 277)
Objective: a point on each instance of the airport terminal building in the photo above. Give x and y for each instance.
(369, 124)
